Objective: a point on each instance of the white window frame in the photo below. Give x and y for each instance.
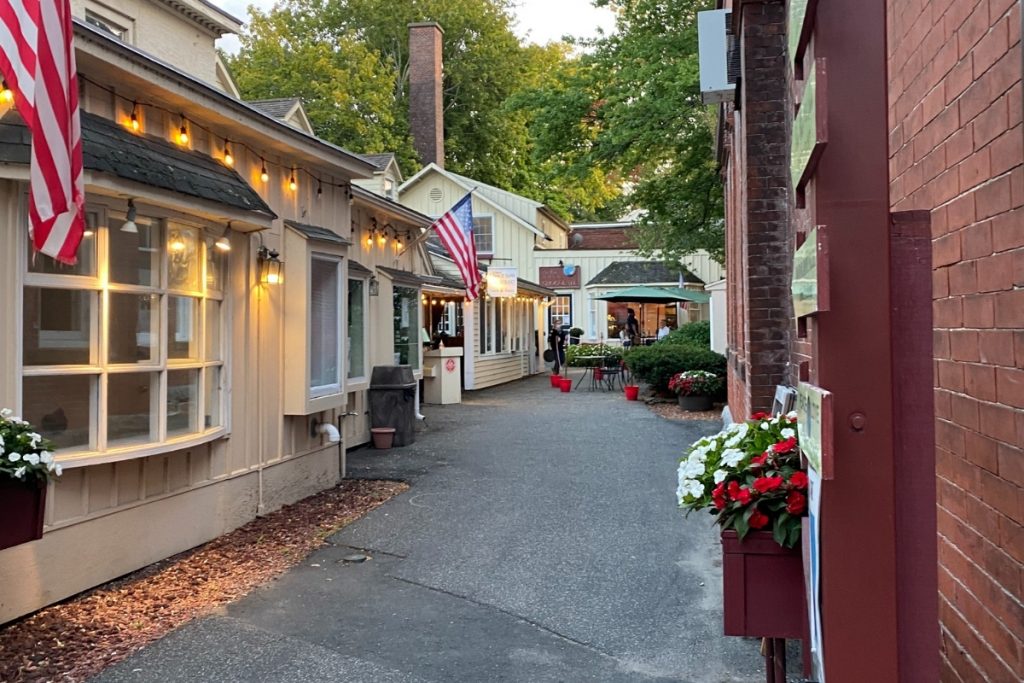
(100, 368)
(414, 334)
(120, 28)
(490, 234)
(554, 311)
(358, 381)
(319, 391)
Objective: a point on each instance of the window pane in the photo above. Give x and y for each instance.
(216, 263)
(325, 319)
(60, 408)
(181, 327)
(130, 407)
(356, 329)
(213, 330)
(407, 326)
(57, 326)
(135, 256)
(483, 234)
(211, 390)
(182, 401)
(183, 258)
(86, 265)
(134, 328)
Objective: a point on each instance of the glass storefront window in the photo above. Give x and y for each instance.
(57, 326)
(182, 402)
(407, 326)
(356, 328)
(325, 325)
(131, 414)
(133, 328)
(60, 408)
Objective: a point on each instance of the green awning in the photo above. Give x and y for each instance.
(655, 295)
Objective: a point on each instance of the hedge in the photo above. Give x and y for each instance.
(656, 364)
(691, 334)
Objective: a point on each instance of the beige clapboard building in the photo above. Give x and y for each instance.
(187, 385)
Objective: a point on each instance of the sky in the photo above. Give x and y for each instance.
(539, 21)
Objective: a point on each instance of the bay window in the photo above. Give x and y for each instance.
(123, 349)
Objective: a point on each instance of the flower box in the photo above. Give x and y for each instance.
(763, 586)
(694, 403)
(21, 509)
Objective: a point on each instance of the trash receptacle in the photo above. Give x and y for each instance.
(393, 401)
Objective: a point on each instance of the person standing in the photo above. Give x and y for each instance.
(632, 328)
(556, 343)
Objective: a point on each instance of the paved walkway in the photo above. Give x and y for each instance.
(539, 542)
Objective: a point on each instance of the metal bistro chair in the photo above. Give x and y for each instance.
(612, 372)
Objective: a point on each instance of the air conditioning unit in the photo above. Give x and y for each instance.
(719, 56)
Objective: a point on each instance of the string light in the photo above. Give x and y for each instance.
(183, 132)
(229, 160)
(264, 176)
(135, 117)
(6, 94)
(292, 185)
(382, 240)
(369, 240)
(319, 188)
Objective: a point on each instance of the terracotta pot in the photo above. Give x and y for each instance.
(383, 437)
(632, 392)
(694, 403)
(21, 509)
(566, 385)
(556, 381)
(763, 586)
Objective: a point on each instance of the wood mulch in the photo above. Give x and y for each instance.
(670, 410)
(80, 637)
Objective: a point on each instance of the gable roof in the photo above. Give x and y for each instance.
(641, 273)
(284, 108)
(381, 161)
(470, 185)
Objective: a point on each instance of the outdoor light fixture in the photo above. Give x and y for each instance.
(135, 117)
(264, 176)
(270, 266)
(129, 224)
(183, 132)
(369, 240)
(90, 225)
(6, 94)
(292, 185)
(228, 159)
(374, 286)
(319, 189)
(176, 243)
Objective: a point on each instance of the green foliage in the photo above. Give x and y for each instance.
(656, 364)
(573, 353)
(692, 334)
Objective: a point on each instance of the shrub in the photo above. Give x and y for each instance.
(657, 364)
(573, 353)
(576, 332)
(692, 334)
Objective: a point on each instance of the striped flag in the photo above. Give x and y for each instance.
(455, 229)
(37, 60)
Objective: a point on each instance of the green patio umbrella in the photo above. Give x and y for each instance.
(654, 295)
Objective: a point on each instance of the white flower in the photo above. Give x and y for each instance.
(46, 457)
(698, 456)
(6, 412)
(32, 458)
(720, 476)
(766, 425)
(689, 487)
(791, 415)
(14, 457)
(690, 470)
(57, 469)
(34, 439)
(788, 433)
(20, 472)
(732, 457)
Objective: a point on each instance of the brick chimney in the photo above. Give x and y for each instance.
(426, 103)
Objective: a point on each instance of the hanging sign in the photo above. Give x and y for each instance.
(814, 423)
(502, 282)
(796, 25)
(810, 127)
(809, 285)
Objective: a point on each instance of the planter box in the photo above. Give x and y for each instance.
(695, 403)
(21, 511)
(763, 586)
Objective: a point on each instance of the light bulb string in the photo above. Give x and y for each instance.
(230, 145)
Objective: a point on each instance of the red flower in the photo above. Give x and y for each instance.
(785, 446)
(766, 484)
(758, 520)
(799, 480)
(734, 489)
(760, 416)
(718, 496)
(743, 497)
(796, 503)
(759, 460)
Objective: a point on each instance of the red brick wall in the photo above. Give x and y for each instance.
(426, 104)
(758, 214)
(956, 149)
(602, 238)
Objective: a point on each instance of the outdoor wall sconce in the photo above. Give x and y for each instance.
(374, 286)
(222, 243)
(270, 267)
(129, 224)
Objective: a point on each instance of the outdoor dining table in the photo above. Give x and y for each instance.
(590, 364)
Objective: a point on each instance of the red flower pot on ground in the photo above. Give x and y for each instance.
(632, 392)
(566, 385)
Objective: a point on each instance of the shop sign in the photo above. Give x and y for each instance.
(809, 127)
(449, 365)
(502, 282)
(554, 277)
(795, 25)
(809, 285)
(814, 423)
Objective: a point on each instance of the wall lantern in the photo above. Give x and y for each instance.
(374, 286)
(270, 267)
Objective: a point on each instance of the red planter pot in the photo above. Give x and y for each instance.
(556, 381)
(632, 392)
(21, 511)
(566, 385)
(763, 586)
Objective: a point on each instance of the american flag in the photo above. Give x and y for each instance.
(38, 62)
(455, 229)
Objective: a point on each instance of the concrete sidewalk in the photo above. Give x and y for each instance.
(540, 541)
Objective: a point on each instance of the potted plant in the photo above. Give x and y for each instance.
(26, 464)
(694, 388)
(750, 477)
(575, 335)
